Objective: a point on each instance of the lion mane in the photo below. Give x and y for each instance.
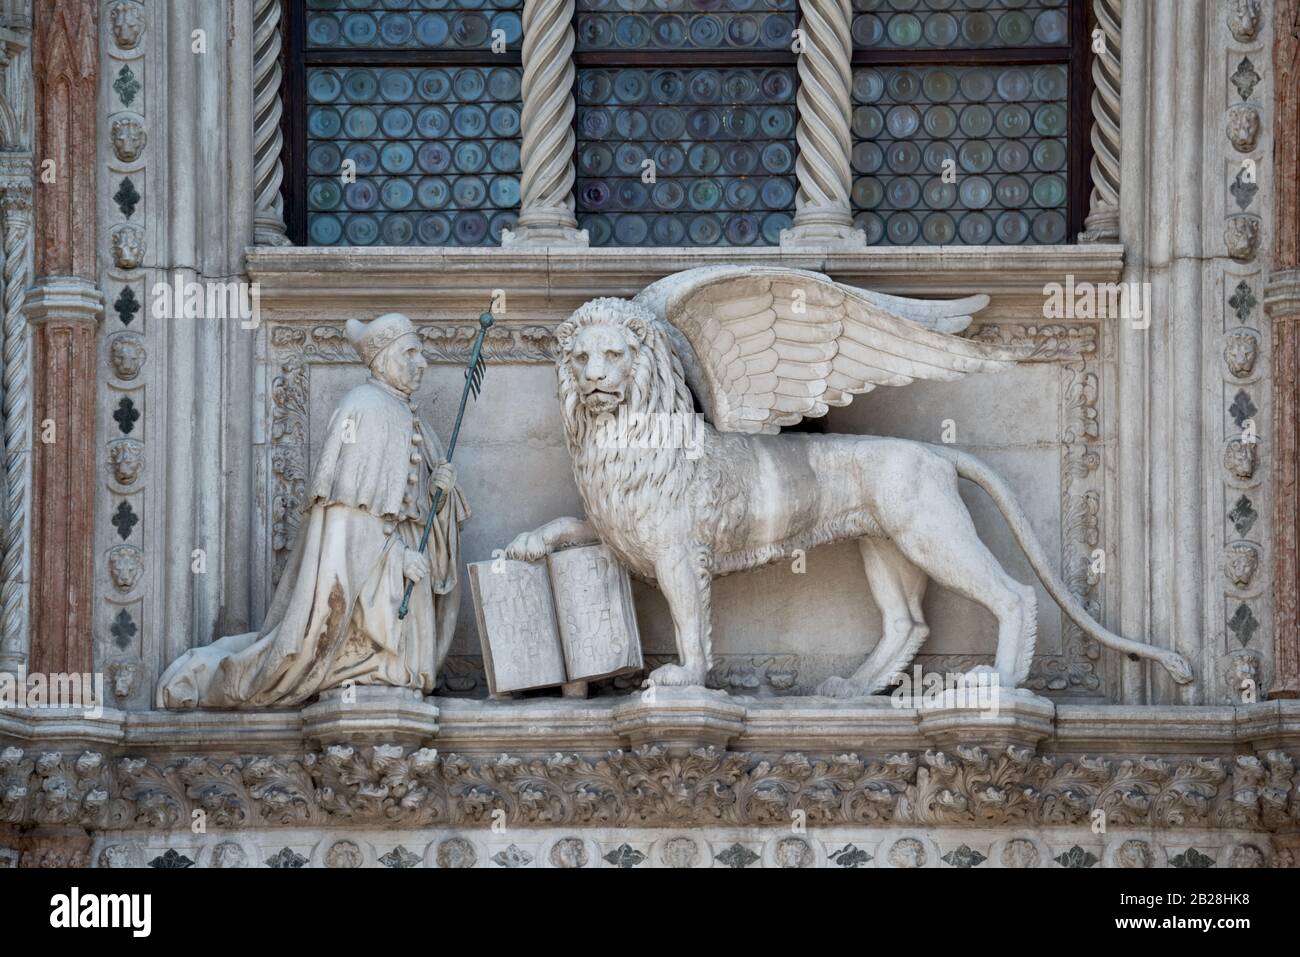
(626, 483)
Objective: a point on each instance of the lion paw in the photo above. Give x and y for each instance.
(676, 676)
(836, 687)
(527, 547)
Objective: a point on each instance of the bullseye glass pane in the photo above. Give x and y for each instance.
(960, 24)
(621, 25)
(414, 25)
(685, 157)
(434, 155)
(960, 154)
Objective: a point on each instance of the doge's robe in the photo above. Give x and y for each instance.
(334, 615)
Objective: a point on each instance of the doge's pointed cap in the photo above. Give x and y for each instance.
(372, 338)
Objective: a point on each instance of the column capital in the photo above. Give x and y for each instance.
(67, 299)
(1282, 295)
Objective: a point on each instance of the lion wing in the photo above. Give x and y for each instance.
(764, 347)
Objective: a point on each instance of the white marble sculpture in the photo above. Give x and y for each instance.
(334, 615)
(761, 348)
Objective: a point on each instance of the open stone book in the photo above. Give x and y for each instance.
(568, 617)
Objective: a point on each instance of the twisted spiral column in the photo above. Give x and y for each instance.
(1102, 224)
(546, 129)
(823, 212)
(16, 203)
(268, 171)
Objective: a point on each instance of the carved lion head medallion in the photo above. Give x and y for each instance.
(907, 852)
(569, 852)
(1241, 458)
(129, 137)
(1133, 854)
(128, 24)
(1243, 20)
(1241, 236)
(1240, 351)
(1243, 127)
(126, 457)
(228, 854)
(793, 852)
(125, 566)
(1240, 563)
(456, 852)
(127, 356)
(680, 852)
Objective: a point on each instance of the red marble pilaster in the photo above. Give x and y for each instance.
(63, 307)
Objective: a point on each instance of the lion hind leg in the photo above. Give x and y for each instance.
(898, 587)
(943, 542)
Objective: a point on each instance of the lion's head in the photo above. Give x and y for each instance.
(611, 353)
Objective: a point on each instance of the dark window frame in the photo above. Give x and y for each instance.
(295, 60)
(1076, 56)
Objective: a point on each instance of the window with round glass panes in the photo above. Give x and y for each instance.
(685, 121)
(966, 121)
(410, 121)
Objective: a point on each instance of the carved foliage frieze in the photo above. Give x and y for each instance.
(392, 786)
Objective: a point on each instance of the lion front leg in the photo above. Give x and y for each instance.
(560, 533)
(685, 581)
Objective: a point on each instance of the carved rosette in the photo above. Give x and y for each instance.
(268, 171)
(1102, 224)
(546, 129)
(823, 213)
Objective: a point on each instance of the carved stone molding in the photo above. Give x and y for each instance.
(391, 786)
(1102, 224)
(546, 129)
(823, 211)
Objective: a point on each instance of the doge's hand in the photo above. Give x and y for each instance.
(528, 547)
(444, 477)
(415, 566)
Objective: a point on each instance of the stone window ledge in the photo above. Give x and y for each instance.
(559, 278)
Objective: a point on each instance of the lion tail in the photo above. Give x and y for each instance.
(973, 470)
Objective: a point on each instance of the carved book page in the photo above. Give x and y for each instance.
(566, 618)
(516, 625)
(593, 605)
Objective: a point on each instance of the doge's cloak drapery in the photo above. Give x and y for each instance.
(333, 617)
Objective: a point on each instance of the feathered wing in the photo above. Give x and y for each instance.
(764, 347)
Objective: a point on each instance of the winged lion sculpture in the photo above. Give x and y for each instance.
(762, 348)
